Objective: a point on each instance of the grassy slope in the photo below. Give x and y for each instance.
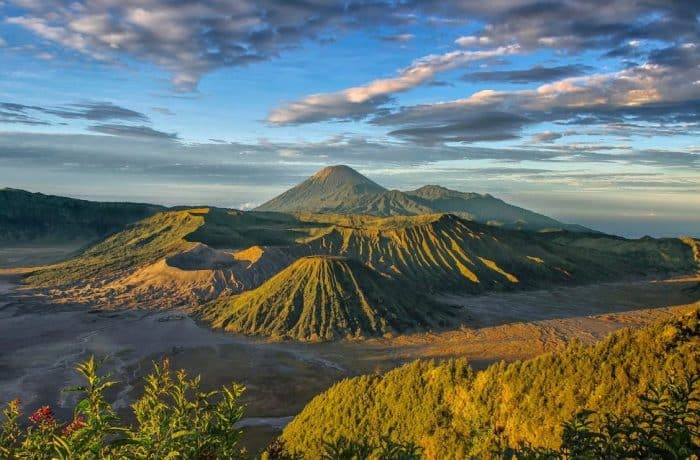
(452, 413)
(442, 251)
(145, 242)
(325, 298)
(436, 252)
(27, 217)
(167, 234)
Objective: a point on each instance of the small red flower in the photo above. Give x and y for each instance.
(77, 424)
(43, 416)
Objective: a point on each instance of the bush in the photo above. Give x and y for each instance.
(174, 420)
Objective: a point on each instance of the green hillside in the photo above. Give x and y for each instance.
(188, 257)
(453, 413)
(145, 242)
(443, 251)
(325, 298)
(342, 190)
(169, 234)
(27, 217)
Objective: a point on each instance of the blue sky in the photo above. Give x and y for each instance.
(586, 111)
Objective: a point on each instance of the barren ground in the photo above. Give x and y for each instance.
(41, 342)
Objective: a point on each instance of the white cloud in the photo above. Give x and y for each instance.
(360, 101)
(650, 92)
(472, 40)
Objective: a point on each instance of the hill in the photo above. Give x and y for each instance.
(445, 252)
(323, 297)
(342, 190)
(189, 257)
(27, 217)
(171, 259)
(452, 412)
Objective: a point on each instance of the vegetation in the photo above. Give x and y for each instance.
(641, 391)
(324, 298)
(668, 426)
(193, 256)
(445, 252)
(174, 419)
(450, 412)
(167, 234)
(145, 242)
(30, 217)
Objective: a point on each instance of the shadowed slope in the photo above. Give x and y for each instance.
(27, 217)
(486, 209)
(325, 298)
(325, 191)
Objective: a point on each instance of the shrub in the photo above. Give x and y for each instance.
(175, 419)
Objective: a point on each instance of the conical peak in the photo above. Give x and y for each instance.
(340, 174)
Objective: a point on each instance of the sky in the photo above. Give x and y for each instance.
(587, 111)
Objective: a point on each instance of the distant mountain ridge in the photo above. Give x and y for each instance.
(27, 216)
(342, 190)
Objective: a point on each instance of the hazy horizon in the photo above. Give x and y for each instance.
(602, 216)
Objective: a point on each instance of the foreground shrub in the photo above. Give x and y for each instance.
(174, 419)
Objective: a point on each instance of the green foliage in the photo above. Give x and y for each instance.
(452, 413)
(174, 420)
(345, 449)
(667, 427)
(411, 404)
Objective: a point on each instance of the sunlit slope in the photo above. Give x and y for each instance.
(443, 251)
(323, 297)
(342, 190)
(453, 413)
(27, 217)
(172, 242)
(146, 241)
(193, 255)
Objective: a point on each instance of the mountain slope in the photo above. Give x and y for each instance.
(325, 191)
(452, 413)
(486, 209)
(445, 252)
(342, 190)
(325, 298)
(26, 216)
(186, 257)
